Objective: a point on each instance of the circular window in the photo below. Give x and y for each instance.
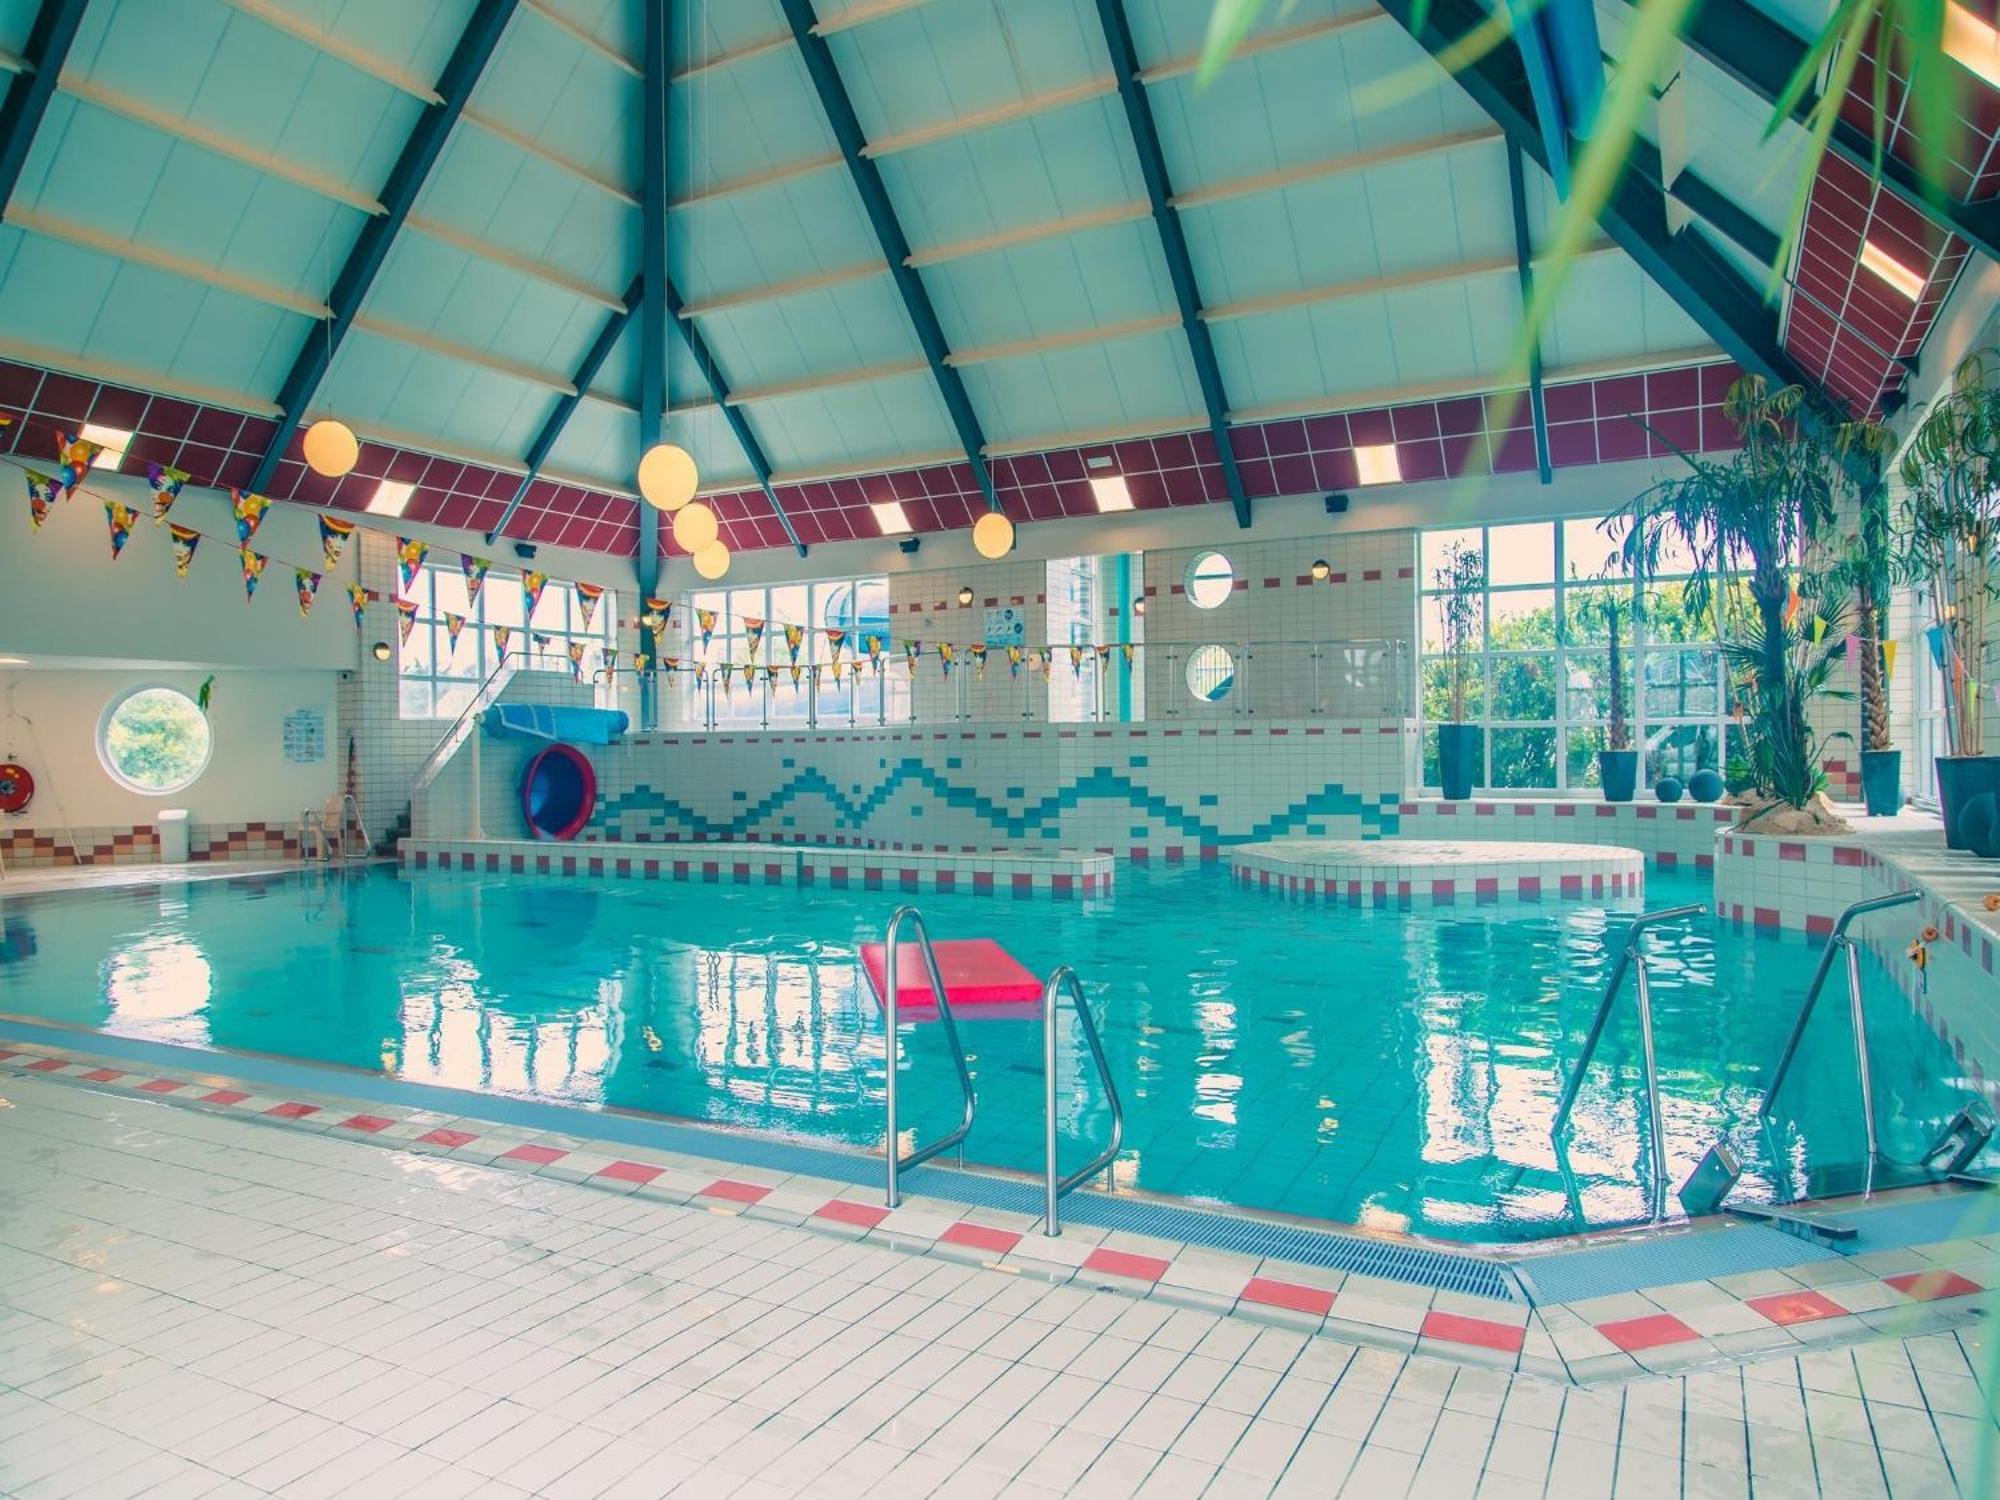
(1211, 673)
(153, 740)
(1209, 580)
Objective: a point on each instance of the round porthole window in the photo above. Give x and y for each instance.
(154, 740)
(1210, 577)
(1211, 673)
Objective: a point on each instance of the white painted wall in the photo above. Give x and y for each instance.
(48, 720)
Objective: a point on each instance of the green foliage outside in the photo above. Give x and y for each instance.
(157, 740)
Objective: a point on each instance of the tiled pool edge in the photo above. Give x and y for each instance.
(1817, 1303)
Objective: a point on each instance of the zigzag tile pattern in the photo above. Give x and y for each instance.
(1378, 817)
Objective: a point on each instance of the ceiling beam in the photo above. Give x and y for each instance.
(776, 291)
(371, 248)
(1694, 273)
(732, 412)
(565, 408)
(1007, 113)
(889, 234)
(1333, 166)
(1261, 42)
(1762, 54)
(527, 266)
(546, 12)
(1180, 266)
(1524, 260)
(31, 88)
(861, 12)
(652, 301)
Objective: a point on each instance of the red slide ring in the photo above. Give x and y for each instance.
(558, 793)
(17, 788)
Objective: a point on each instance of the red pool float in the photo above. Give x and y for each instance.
(980, 979)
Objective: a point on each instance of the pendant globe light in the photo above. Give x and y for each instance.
(694, 527)
(667, 477)
(993, 535)
(712, 561)
(331, 448)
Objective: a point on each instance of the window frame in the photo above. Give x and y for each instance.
(1564, 721)
(870, 698)
(432, 685)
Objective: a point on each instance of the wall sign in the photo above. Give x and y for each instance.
(305, 737)
(1007, 626)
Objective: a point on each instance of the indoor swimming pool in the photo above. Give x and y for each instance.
(1393, 1069)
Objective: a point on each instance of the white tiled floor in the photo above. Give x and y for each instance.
(193, 1305)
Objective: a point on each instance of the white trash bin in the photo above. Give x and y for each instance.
(173, 826)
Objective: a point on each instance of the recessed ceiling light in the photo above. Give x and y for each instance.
(1111, 493)
(391, 498)
(1377, 463)
(1972, 41)
(889, 516)
(1891, 270)
(111, 440)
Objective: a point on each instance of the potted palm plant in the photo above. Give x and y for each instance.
(1950, 549)
(1864, 573)
(1461, 583)
(1617, 762)
(1745, 521)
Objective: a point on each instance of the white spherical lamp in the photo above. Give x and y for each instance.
(667, 477)
(712, 561)
(331, 448)
(694, 527)
(993, 535)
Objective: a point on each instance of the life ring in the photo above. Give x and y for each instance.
(17, 788)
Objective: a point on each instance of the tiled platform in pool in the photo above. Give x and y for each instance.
(1767, 1305)
(1058, 873)
(1397, 871)
(385, 1323)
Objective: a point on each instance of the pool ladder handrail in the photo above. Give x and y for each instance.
(898, 1162)
(1064, 981)
(1837, 943)
(1630, 956)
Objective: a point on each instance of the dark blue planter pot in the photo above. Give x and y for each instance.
(1960, 779)
(1882, 782)
(1619, 771)
(1461, 753)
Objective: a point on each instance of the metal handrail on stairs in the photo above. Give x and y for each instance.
(1630, 957)
(1064, 982)
(1839, 943)
(899, 1162)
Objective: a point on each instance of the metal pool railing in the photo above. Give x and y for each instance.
(899, 1162)
(1630, 957)
(1064, 982)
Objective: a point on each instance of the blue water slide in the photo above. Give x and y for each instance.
(541, 721)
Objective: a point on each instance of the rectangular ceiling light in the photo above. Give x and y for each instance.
(1111, 493)
(111, 440)
(1971, 40)
(1891, 270)
(1377, 464)
(390, 498)
(889, 516)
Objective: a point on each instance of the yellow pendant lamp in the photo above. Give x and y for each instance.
(993, 535)
(667, 477)
(331, 448)
(712, 561)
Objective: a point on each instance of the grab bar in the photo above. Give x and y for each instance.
(898, 1163)
(350, 816)
(1837, 942)
(1062, 981)
(1630, 957)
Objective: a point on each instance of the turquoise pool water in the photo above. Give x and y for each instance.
(1394, 1069)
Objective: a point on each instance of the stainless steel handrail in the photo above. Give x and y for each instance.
(1630, 957)
(1838, 942)
(891, 1045)
(350, 816)
(1064, 980)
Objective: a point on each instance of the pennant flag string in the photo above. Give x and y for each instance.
(166, 485)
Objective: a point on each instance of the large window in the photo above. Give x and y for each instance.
(1541, 679)
(440, 676)
(855, 607)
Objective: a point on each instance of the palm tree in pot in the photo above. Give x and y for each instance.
(1617, 762)
(1950, 549)
(1461, 583)
(1864, 573)
(1745, 522)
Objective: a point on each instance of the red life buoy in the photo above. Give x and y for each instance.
(17, 788)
